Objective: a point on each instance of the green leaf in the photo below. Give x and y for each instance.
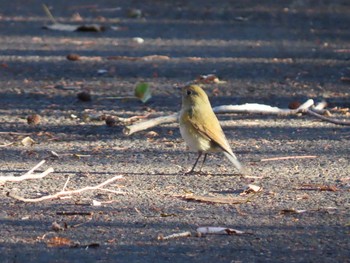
(143, 92)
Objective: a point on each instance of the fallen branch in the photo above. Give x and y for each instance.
(215, 199)
(65, 193)
(27, 175)
(74, 213)
(172, 236)
(128, 130)
(288, 158)
(262, 109)
(16, 133)
(331, 120)
(6, 144)
(252, 108)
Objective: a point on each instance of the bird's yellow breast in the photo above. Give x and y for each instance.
(194, 139)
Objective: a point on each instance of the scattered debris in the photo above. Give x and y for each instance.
(134, 13)
(68, 27)
(143, 92)
(7, 144)
(33, 119)
(245, 108)
(215, 199)
(61, 242)
(172, 236)
(102, 71)
(345, 79)
(288, 158)
(312, 187)
(208, 79)
(152, 134)
(67, 194)
(218, 231)
(144, 58)
(73, 213)
(28, 175)
(27, 141)
(96, 203)
(73, 57)
(251, 188)
(110, 121)
(138, 40)
(292, 211)
(57, 227)
(294, 105)
(84, 96)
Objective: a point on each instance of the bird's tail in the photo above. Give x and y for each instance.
(235, 161)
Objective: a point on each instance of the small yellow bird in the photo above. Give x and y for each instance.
(200, 128)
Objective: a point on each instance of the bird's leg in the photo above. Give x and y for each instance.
(192, 170)
(205, 157)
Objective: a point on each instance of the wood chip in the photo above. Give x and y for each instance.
(215, 199)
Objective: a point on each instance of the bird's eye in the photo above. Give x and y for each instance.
(189, 92)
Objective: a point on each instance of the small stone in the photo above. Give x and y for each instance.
(134, 13)
(110, 121)
(84, 96)
(73, 57)
(33, 119)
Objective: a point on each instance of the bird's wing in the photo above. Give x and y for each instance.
(212, 130)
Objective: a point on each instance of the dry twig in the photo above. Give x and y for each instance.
(288, 158)
(172, 236)
(65, 193)
(306, 108)
(27, 175)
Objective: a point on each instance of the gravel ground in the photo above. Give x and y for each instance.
(272, 53)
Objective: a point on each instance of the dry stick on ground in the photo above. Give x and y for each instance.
(324, 118)
(27, 175)
(16, 133)
(245, 108)
(65, 193)
(288, 158)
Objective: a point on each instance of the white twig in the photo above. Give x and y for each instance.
(261, 108)
(172, 236)
(288, 158)
(6, 144)
(128, 130)
(67, 193)
(65, 185)
(27, 175)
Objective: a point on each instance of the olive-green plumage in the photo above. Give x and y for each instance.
(200, 127)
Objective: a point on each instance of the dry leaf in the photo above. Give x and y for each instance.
(155, 57)
(292, 211)
(218, 231)
(251, 188)
(207, 79)
(345, 79)
(61, 242)
(143, 92)
(167, 215)
(151, 134)
(27, 141)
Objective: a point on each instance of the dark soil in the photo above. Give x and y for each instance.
(273, 53)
